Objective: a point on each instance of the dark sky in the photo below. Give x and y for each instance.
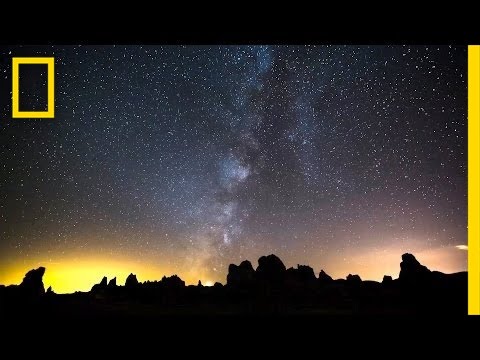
(183, 159)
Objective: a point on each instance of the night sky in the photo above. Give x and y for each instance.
(184, 159)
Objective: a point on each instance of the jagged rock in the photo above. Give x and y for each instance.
(242, 275)
(49, 291)
(271, 270)
(32, 283)
(200, 283)
(411, 271)
(353, 279)
(173, 282)
(303, 274)
(306, 273)
(112, 282)
(387, 279)
(131, 281)
(101, 286)
(323, 277)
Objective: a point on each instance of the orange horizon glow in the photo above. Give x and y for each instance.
(81, 273)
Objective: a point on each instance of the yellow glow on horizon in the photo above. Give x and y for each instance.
(70, 275)
(79, 272)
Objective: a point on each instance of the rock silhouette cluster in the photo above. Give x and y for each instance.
(271, 287)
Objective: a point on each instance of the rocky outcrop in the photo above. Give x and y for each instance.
(302, 274)
(131, 281)
(324, 278)
(101, 286)
(387, 279)
(32, 284)
(173, 282)
(112, 283)
(353, 279)
(271, 270)
(240, 276)
(412, 272)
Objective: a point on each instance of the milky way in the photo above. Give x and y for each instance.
(183, 159)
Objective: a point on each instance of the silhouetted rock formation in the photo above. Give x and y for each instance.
(305, 273)
(131, 281)
(269, 288)
(299, 283)
(324, 278)
(271, 270)
(101, 286)
(241, 276)
(173, 282)
(387, 279)
(302, 274)
(32, 284)
(412, 272)
(353, 279)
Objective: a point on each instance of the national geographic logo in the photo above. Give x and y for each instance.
(50, 112)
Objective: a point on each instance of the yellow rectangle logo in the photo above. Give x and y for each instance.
(50, 62)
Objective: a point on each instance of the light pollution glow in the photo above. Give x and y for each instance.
(67, 275)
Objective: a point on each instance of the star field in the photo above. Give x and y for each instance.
(183, 159)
